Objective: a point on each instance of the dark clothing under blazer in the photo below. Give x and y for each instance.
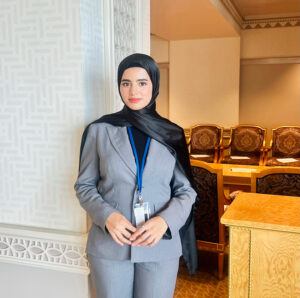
(107, 183)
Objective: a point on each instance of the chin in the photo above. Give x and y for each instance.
(135, 108)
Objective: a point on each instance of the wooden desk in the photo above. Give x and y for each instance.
(264, 258)
(238, 174)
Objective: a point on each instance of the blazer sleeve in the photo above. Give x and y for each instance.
(86, 185)
(179, 207)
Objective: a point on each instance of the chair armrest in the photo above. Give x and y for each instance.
(267, 149)
(224, 147)
(188, 140)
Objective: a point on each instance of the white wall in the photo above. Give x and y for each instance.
(22, 281)
(204, 81)
(42, 111)
(58, 63)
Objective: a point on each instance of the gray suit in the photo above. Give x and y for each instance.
(107, 183)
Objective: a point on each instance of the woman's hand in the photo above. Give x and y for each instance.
(119, 228)
(150, 233)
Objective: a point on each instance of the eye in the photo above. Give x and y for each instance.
(143, 83)
(124, 84)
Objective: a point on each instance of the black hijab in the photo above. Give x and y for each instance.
(161, 129)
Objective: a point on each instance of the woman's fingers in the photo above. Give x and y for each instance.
(137, 233)
(122, 239)
(126, 234)
(123, 232)
(150, 233)
(146, 242)
(119, 228)
(142, 238)
(129, 226)
(116, 239)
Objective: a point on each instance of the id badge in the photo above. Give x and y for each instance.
(141, 213)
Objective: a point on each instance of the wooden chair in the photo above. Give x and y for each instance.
(246, 145)
(284, 181)
(209, 208)
(205, 142)
(284, 147)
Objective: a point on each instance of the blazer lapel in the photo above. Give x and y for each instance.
(120, 141)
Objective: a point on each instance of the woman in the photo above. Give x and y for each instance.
(133, 182)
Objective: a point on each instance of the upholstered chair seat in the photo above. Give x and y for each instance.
(285, 147)
(205, 141)
(246, 145)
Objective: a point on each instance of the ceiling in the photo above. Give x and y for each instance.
(191, 19)
(188, 19)
(257, 14)
(259, 9)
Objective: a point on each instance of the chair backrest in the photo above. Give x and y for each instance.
(284, 181)
(205, 138)
(286, 141)
(247, 140)
(209, 206)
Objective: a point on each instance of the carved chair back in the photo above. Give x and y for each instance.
(283, 181)
(205, 138)
(247, 140)
(286, 141)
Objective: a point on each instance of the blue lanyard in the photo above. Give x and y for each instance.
(139, 168)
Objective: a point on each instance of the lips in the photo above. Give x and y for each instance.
(134, 100)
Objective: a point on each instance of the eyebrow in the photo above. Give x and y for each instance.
(139, 80)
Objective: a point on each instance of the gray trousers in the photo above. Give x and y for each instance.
(124, 279)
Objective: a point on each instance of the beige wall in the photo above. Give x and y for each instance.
(274, 42)
(159, 49)
(162, 102)
(204, 81)
(160, 53)
(270, 95)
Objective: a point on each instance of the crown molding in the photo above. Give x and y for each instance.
(271, 23)
(260, 22)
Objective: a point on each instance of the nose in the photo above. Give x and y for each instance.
(133, 90)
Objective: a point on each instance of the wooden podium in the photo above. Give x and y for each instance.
(264, 258)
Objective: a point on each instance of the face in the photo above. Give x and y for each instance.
(136, 88)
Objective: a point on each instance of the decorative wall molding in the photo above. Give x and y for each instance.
(143, 26)
(92, 45)
(233, 12)
(271, 23)
(263, 22)
(125, 36)
(273, 60)
(126, 31)
(43, 248)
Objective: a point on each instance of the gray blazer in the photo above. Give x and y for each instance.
(107, 183)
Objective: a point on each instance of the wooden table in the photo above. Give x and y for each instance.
(264, 259)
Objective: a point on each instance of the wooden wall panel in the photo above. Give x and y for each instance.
(239, 262)
(275, 264)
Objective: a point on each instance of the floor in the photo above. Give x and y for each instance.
(204, 283)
